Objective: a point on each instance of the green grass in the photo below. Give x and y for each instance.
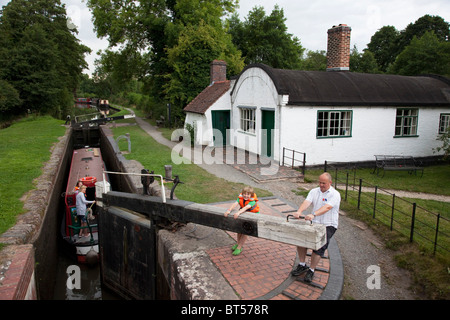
(24, 148)
(425, 221)
(426, 210)
(430, 271)
(435, 179)
(198, 185)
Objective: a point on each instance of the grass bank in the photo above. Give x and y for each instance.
(435, 179)
(24, 148)
(198, 185)
(431, 272)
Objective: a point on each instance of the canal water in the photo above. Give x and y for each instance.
(90, 282)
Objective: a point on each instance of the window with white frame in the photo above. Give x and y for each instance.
(444, 122)
(334, 124)
(406, 122)
(248, 119)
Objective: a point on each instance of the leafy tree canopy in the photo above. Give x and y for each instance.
(40, 56)
(363, 62)
(387, 43)
(315, 61)
(197, 45)
(423, 55)
(264, 39)
(151, 37)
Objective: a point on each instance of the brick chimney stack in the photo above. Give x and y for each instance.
(338, 52)
(218, 71)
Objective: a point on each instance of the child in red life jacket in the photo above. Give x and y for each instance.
(248, 202)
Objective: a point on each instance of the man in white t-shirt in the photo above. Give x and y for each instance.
(326, 201)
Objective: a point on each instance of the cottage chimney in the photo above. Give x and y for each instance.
(218, 71)
(338, 52)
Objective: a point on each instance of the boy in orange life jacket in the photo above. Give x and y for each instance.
(247, 201)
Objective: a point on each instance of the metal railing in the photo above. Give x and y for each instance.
(417, 223)
(287, 151)
(163, 191)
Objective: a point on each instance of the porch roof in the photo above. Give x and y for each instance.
(317, 88)
(208, 97)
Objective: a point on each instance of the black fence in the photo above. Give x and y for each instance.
(429, 229)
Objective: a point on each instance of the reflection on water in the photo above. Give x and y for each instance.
(85, 106)
(90, 283)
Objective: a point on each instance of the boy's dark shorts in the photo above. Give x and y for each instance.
(330, 233)
(82, 218)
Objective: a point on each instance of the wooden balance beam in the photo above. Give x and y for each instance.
(292, 231)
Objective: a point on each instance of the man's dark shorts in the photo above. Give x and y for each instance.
(330, 233)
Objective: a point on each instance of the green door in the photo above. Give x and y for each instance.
(221, 122)
(267, 138)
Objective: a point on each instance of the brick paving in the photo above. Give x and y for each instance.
(16, 275)
(262, 270)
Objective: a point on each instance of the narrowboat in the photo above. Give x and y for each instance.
(83, 100)
(86, 166)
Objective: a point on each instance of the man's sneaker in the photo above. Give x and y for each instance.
(299, 270)
(309, 276)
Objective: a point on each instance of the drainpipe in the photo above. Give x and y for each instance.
(284, 99)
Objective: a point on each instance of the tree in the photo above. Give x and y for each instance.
(384, 46)
(148, 31)
(445, 138)
(424, 55)
(315, 61)
(387, 43)
(33, 72)
(196, 45)
(264, 39)
(363, 62)
(9, 98)
(88, 87)
(424, 24)
(40, 57)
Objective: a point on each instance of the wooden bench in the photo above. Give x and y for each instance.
(397, 163)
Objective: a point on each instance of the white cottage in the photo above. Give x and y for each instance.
(211, 108)
(335, 116)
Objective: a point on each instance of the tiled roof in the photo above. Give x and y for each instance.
(207, 97)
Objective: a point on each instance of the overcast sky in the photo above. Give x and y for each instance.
(308, 20)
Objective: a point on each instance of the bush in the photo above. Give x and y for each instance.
(445, 138)
(9, 98)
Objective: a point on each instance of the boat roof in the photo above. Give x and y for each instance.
(86, 162)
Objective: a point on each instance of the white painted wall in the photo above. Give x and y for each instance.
(373, 128)
(200, 123)
(373, 133)
(203, 122)
(254, 88)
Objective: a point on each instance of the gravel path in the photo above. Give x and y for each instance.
(360, 248)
